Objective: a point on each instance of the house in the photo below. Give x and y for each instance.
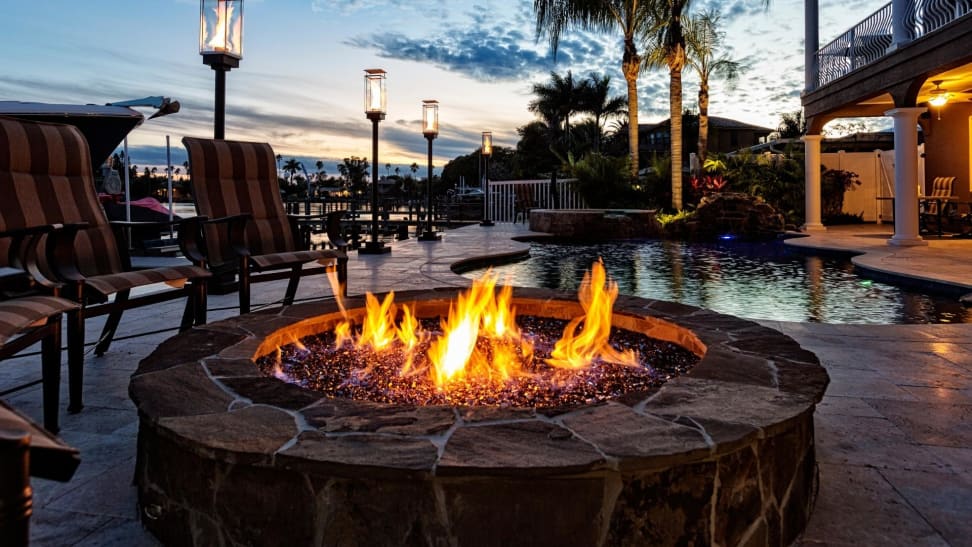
(725, 135)
(910, 61)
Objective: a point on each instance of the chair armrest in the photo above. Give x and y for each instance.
(236, 227)
(191, 239)
(60, 252)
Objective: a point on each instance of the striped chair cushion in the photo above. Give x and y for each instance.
(942, 187)
(280, 260)
(176, 275)
(46, 178)
(230, 178)
(20, 313)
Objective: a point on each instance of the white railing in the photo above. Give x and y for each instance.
(502, 197)
(859, 46)
(870, 39)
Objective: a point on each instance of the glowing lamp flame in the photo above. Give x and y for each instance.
(221, 31)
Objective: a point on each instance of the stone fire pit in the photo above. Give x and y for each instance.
(723, 455)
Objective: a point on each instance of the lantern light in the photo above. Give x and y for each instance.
(221, 28)
(430, 118)
(375, 96)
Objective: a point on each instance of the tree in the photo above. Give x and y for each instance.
(665, 47)
(291, 167)
(596, 100)
(533, 156)
(355, 173)
(557, 100)
(631, 17)
(703, 40)
(320, 175)
(792, 125)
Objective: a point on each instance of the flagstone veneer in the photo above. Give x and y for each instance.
(723, 455)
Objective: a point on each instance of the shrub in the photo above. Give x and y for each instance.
(777, 179)
(603, 181)
(833, 184)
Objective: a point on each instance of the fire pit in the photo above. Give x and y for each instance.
(723, 454)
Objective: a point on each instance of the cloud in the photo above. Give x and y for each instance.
(348, 7)
(496, 48)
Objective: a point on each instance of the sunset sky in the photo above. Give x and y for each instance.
(300, 83)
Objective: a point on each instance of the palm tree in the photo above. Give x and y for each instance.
(703, 40)
(557, 100)
(631, 17)
(596, 100)
(291, 166)
(665, 47)
(792, 125)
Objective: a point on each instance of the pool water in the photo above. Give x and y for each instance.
(752, 280)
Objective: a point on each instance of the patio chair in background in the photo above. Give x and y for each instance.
(937, 209)
(46, 179)
(28, 319)
(523, 202)
(248, 232)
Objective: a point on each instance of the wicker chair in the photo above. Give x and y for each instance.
(249, 232)
(45, 174)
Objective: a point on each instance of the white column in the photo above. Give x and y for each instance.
(812, 181)
(811, 43)
(900, 34)
(906, 176)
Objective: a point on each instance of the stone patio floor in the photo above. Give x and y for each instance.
(894, 432)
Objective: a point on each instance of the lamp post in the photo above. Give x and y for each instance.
(375, 101)
(221, 47)
(430, 128)
(487, 151)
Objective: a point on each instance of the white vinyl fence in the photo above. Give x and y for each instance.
(502, 196)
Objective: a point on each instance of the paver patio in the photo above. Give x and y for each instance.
(894, 432)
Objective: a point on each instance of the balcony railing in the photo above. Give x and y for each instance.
(870, 39)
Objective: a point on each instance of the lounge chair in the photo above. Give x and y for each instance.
(46, 179)
(31, 318)
(249, 233)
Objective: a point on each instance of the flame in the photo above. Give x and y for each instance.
(480, 340)
(218, 39)
(573, 351)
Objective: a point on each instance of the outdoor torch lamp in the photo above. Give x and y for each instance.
(487, 151)
(221, 47)
(375, 100)
(430, 128)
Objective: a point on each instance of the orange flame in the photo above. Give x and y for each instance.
(480, 339)
(218, 39)
(573, 351)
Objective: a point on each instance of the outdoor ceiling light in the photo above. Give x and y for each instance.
(938, 95)
(375, 96)
(221, 28)
(430, 118)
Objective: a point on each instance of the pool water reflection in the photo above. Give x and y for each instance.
(753, 280)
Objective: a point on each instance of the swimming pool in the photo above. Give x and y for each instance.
(752, 280)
